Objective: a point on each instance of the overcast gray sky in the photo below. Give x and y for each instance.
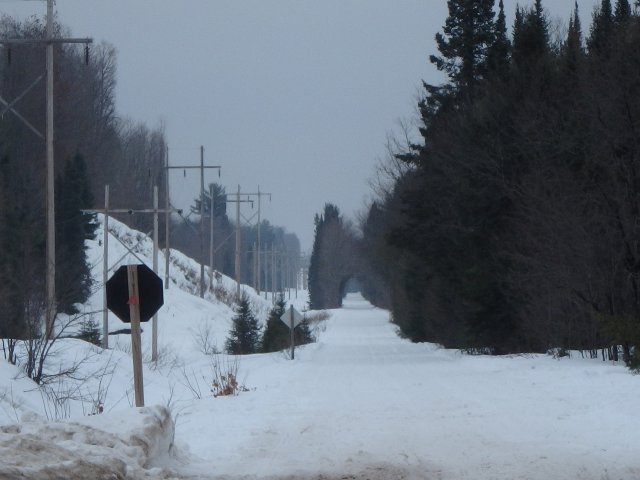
(294, 96)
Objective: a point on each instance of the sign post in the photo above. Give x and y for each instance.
(136, 347)
(292, 319)
(134, 294)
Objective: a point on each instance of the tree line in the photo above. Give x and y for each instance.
(93, 146)
(513, 224)
(277, 270)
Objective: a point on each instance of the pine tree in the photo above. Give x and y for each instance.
(73, 227)
(499, 50)
(89, 332)
(602, 29)
(276, 335)
(464, 43)
(245, 333)
(530, 36)
(219, 201)
(572, 52)
(622, 12)
(319, 296)
(302, 333)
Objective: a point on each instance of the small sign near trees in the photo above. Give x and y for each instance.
(290, 314)
(292, 318)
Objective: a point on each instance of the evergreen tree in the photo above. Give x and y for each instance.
(302, 333)
(22, 248)
(318, 294)
(530, 36)
(602, 28)
(89, 332)
(572, 52)
(276, 335)
(464, 43)
(244, 336)
(219, 201)
(73, 227)
(622, 11)
(499, 50)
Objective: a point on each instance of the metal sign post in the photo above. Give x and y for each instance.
(292, 330)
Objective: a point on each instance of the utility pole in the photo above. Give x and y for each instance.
(51, 214)
(167, 219)
(106, 211)
(202, 168)
(105, 271)
(238, 201)
(212, 217)
(154, 321)
(258, 194)
(238, 243)
(49, 41)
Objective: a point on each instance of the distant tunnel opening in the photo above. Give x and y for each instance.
(348, 285)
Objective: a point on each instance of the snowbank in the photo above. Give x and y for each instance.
(120, 446)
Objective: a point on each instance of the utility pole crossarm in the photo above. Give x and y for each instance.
(202, 167)
(46, 41)
(182, 167)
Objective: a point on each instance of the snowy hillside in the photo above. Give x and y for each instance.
(360, 403)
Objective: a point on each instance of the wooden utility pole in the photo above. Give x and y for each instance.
(238, 201)
(51, 215)
(105, 211)
(257, 250)
(237, 263)
(167, 219)
(49, 41)
(212, 217)
(105, 270)
(154, 320)
(202, 221)
(273, 276)
(202, 168)
(259, 194)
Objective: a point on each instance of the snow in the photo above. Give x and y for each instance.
(359, 403)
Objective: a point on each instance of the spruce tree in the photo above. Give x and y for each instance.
(276, 335)
(572, 52)
(319, 294)
(464, 43)
(602, 29)
(500, 48)
(245, 333)
(73, 227)
(302, 333)
(530, 37)
(90, 332)
(622, 12)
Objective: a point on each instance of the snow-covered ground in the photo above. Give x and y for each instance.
(360, 403)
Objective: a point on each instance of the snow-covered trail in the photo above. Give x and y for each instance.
(364, 402)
